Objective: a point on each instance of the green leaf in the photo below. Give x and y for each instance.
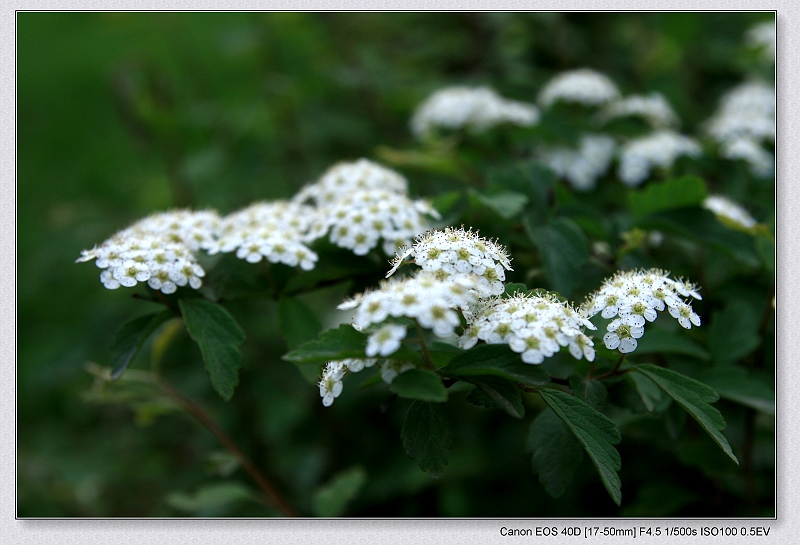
(595, 431)
(427, 436)
(503, 394)
(419, 384)
(593, 392)
(694, 397)
(734, 331)
(130, 337)
(209, 500)
(736, 384)
(650, 394)
(564, 251)
(556, 452)
(299, 324)
(331, 499)
(506, 204)
(666, 195)
(513, 288)
(661, 341)
(219, 336)
(332, 344)
(498, 360)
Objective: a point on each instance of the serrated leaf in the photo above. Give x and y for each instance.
(498, 360)
(130, 337)
(332, 344)
(218, 336)
(595, 431)
(419, 384)
(666, 195)
(331, 499)
(593, 392)
(503, 394)
(556, 453)
(564, 251)
(694, 397)
(427, 436)
(299, 324)
(649, 392)
(736, 384)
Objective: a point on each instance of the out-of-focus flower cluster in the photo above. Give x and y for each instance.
(357, 205)
(729, 211)
(534, 326)
(762, 36)
(581, 167)
(582, 86)
(633, 298)
(475, 108)
(652, 108)
(638, 157)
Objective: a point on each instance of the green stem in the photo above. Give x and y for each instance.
(614, 370)
(427, 354)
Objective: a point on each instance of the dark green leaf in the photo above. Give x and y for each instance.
(513, 288)
(736, 384)
(666, 195)
(498, 360)
(219, 336)
(130, 337)
(556, 452)
(503, 394)
(734, 331)
(419, 384)
(595, 431)
(332, 344)
(593, 392)
(694, 397)
(331, 499)
(564, 251)
(650, 394)
(660, 341)
(427, 436)
(209, 500)
(299, 324)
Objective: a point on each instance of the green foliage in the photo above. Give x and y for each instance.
(595, 432)
(419, 384)
(500, 393)
(666, 195)
(695, 398)
(556, 453)
(495, 360)
(331, 499)
(332, 344)
(427, 436)
(564, 251)
(219, 336)
(130, 337)
(298, 325)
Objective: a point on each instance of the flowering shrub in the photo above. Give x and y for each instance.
(607, 226)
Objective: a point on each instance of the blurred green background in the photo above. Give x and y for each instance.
(124, 114)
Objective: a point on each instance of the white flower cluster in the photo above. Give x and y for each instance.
(277, 231)
(424, 297)
(158, 250)
(477, 108)
(729, 211)
(762, 36)
(533, 326)
(638, 157)
(361, 203)
(633, 298)
(581, 86)
(459, 253)
(330, 383)
(653, 108)
(583, 166)
(744, 120)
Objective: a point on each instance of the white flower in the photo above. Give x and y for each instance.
(386, 340)
(634, 298)
(390, 369)
(746, 111)
(727, 210)
(354, 365)
(750, 151)
(583, 86)
(536, 327)
(340, 180)
(277, 231)
(581, 167)
(459, 253)
(330, 384)
(661, 149)
(477, 108)
(762, 35)
(653, 108)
